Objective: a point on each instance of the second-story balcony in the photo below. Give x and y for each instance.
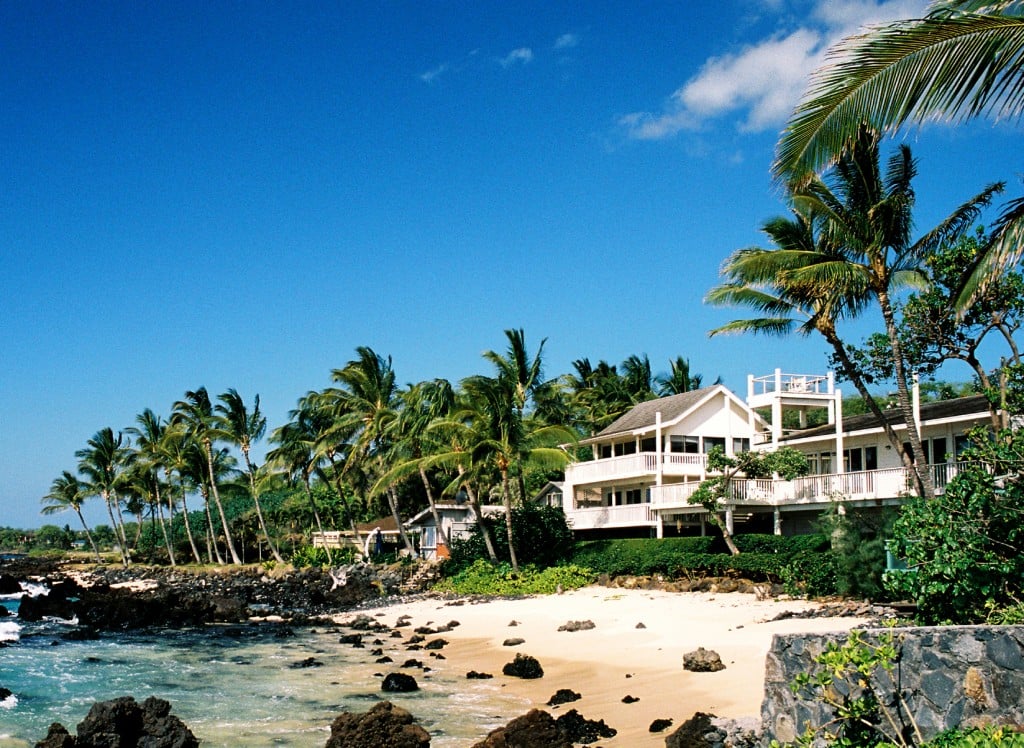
(864, 485)
(639, 465)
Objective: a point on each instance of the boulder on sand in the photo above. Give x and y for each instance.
(384, 726)
(535, 729)
(124, 722)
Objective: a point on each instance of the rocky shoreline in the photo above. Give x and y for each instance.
(112, 599)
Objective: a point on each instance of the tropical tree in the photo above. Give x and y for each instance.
(366, 404)
(244, 428)
(862, 254)
(196, 414)
(67, 492)
(679, 378)
(101, 462)
(174, 450)
(963, 60)
(150, 434)
(296, 451)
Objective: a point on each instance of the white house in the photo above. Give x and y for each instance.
(648, 463)
(457, 522)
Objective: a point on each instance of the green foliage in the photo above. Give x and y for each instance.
(307, 555)
(993, 736)
(541, 533)
(858, 543)
(51, 537)
(810, 574)
(865, 714)
(965, 547)
(640, 557)
(483, 578)
(757, 543)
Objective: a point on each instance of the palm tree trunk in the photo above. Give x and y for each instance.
(433, 509)
(120, 543)
(259, 509)
(350, 516)
(188, 524)
(120, 520)
(88, 535)
(220, 507)
(506, 499)
(212, 549)
(922, 472)
(316, 515)
(393, 503)
(474, 504)
(163, 526)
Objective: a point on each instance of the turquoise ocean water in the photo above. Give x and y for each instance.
(232, 687)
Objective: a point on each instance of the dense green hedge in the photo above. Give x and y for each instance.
(803, 563)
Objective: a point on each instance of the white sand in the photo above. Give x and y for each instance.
(616, 658)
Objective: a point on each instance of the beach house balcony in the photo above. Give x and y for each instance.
(637, 466)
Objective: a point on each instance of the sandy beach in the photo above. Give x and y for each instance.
(618, 657)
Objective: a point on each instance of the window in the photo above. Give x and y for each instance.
(740, 445)
(960, 443)
(675, 443)
(605, 451)
(634, 496)
(648, 445)
(429, 539)
(871, 458)
(938, 450)
(825, 462)
(710, 442)
(853, 460)
(692, 445)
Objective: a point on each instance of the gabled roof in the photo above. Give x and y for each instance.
(972, 405)
(642, 415)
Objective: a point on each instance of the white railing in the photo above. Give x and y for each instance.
(629, 515)
(813, 489)
(634, 465)
(813, 384)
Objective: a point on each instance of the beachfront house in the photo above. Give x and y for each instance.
(648, 463)
(457, 522)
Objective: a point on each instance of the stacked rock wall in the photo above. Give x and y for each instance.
(948, 676)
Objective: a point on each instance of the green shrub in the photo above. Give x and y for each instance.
(984, 737)
(640, 556)
(307, 555)
(809, 573)
(483, 578)
(754, 543)
(542, 536)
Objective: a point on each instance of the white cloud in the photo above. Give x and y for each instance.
(431, 75)
(566, 41)
(761, 83)
(519, 56)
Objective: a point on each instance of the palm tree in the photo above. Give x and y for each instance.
(244, 428)
(67, 492)
(962, 61)
(149, 444)
(367, 403)
(296, 451)
(174, 454)
(598, 394)
(679, 379)
(864, 254)
(102, 462)
(638, 378)
(196, 414)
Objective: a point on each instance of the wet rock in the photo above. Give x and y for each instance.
(515, 641)
(436, 644)
(124, 723)
(383, 660)
(4, 612)
(578, 729)
(399, 683)
(702, 661)
(412, 663)
(629, 699)
(659, 725)
(577, 626)
(535, 729)
(54, 604)
(563, 696)
(384, 726)
(306, 663)
(524, 666)
(5, 693)
(692, 733)
(474, 675)
(353, 639)
(9, 585)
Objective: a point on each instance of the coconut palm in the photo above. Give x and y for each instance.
(150, 434)
(174, 455)
(679, 379)
(863, 255)
(67, 492)
(244, 428)
(101, 462)
(296, 450)
(964, 60)
(196, 414)
(366, 404)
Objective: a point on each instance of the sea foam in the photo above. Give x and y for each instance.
(9, 631)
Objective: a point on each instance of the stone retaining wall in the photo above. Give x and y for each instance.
(949, 676)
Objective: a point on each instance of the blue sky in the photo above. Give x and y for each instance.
(239, 194)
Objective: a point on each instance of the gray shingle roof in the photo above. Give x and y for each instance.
(960, 406)
(643, 414)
